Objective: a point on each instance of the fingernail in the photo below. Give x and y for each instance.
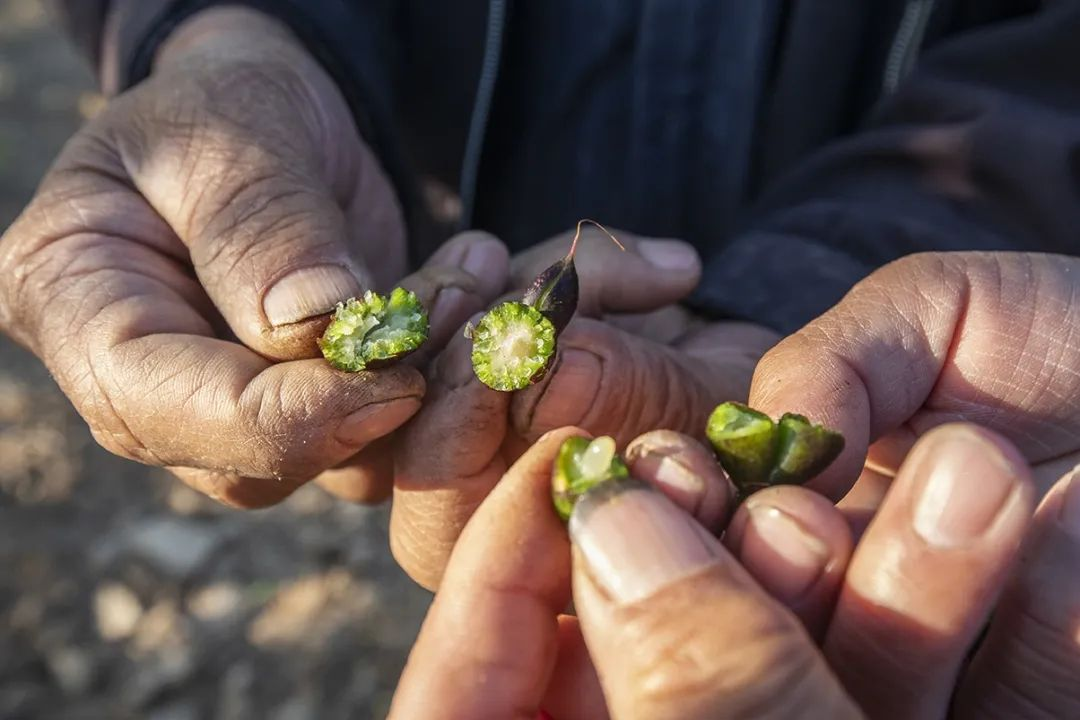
(966, 483)
(635, 541)
(309, 292)
(668, 254)
(673, 474)
(772, 534)
(1069, 513)
(655, 459)
(479, 259)
(374, 421)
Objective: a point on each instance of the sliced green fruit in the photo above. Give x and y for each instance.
(581, 465)
(512, 346)
(757, 453)
(374, 329)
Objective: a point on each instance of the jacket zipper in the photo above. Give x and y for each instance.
(907, 43)
(478, 122)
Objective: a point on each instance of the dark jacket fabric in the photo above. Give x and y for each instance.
(799, 144)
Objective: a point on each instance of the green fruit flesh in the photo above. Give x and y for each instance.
(512, 346)
(581, 465)
(374, 329)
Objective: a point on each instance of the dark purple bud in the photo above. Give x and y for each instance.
(555, 293)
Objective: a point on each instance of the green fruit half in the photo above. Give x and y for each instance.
(757, 453)
(581, 465)
(512, 346)
(374, 329)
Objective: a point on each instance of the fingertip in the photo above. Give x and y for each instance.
(480, 254)
(685, 471)
(670, 255)
(929, 569)
(375, 420)
(558, 435)
(797, 545)
(800, 375)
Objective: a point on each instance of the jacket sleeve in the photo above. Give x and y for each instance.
(979, 149)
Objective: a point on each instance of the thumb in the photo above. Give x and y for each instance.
(677, 628)
(648, 275)
(246, 183)
(928, 340)
(866, 365)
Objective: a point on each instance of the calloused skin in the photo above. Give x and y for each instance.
(145, 272)
(672, 623)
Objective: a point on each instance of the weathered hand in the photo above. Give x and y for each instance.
(988, 338)
(903, 636)
(671, 624)
(675, 627)
(606, 378)
(177, 263)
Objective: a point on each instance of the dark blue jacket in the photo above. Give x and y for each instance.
(798, 144)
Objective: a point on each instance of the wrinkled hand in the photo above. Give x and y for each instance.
(989, 338)
(197, 232)
(670, 624)
(629, 362)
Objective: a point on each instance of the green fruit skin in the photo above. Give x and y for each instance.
(568, 483)
(805, 450)
(745, 440)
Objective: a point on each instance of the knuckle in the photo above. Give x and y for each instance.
(262, 213)
(276, 442)
(285, 425)
(676, 667)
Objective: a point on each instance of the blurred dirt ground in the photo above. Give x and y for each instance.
(124, 594)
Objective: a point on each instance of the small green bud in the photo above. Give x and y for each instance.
(374, 330)
(745, 440)
(804, 451)
(581, 465)
(758, 453)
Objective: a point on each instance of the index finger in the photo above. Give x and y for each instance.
(488, 645)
